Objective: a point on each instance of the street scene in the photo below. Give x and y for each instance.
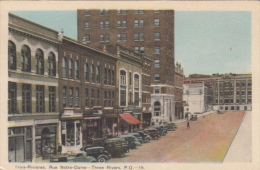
(120, 86)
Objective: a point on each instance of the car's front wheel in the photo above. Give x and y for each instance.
(147, 140)
(102, 159)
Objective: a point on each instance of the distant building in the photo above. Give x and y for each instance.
(33, 107)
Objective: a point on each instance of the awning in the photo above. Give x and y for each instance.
(130, 119)
(92, 118)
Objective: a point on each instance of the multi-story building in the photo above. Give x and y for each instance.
(88, 93)
(229, 91)
(179, 79)
(143, 31)
(33, 116)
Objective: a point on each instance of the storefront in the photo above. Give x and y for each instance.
(128, 123)
(111, 124)
(147, 116)
(92, 129)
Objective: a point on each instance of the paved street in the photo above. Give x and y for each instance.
(207, 140)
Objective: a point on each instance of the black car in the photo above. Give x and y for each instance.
(146, 138)
(162, 131)
(97, 152)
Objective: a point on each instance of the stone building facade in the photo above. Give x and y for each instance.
(149, 32)
(33, 107)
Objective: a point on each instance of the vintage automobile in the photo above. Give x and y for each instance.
(137, 136)
(146, 138)
(161, 130)
(59, 158)
(171, 126)
(97, 152)
(73, 157)
(153, 133)
(132, 141)
(117, 147)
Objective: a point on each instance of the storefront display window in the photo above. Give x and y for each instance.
(78, 134)
(70, 134)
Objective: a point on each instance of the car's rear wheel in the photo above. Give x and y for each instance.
(147, 140)
(121, 154)
(102, 159)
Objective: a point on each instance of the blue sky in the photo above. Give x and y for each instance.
(206, 42)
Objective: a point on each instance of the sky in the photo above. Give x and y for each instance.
(206, 42)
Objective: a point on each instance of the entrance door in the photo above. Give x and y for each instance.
(16, 149)
(45, 140)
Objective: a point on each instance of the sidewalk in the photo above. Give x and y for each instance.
(198, 115)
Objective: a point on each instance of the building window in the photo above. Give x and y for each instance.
(98, 74)
(249, 93)
(87, 37)
(137, 49)
(122, 88)
(113, 78)
(64, 67)
(105, 76)
(11, 55)
(124, 11)
(77, 98)
(101, 24)
(105, 98)
(142, 50)
(109, 77)
(141, 11)
(136, 37)
(118, 24)
(157, 89)
(87, 25)
(52, 64)
(112, 99)
(98, 97)
(136, 81)
(64, 95)
(118, 11)
(26, 58)
(130, 78)
(70, 127)
(70, 68)
(124, 24)
(92, 73)
(156, 36)
(12, 97)
(141, 36)
(101, 12)
(106, 12)
(136, 22)
(141, 24)
(157, 63)
(86, 73)
(40, 104)
(87, 12)
(39, 62)
(107, 24)
(86, 97)
(157, 11)
(136, 98)
(101, 37)
(26, 98)
(70, 97)
(108, 98)
(156, 22)
(92, 97)
(157, 109)
(124, 37)
(107, 37)
(76, 70)
(123, 78)
(118, 37)
(157, 50)
(157, 77)
(52, 99)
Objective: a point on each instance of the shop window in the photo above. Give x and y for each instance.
(26, 98)
(51, 64)
(11, 55)
(70, 134)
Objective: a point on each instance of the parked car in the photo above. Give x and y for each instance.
(97, 152)
(146, 138)
(161, 130)
(59, 158)
(171, 126)
(137, 136)
(117, 147)
(153, 133)
(132, 141)
(81, 157)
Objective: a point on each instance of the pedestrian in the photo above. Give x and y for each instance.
(59, 148)
(188, 125)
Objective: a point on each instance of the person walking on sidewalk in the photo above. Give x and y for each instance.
(188, 125)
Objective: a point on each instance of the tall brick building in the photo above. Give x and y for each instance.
(144, 31)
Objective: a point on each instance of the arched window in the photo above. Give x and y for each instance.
(26, 58)
(86, 73)
(70, 68)
(249, 84)
(92, 73)
(11, 55)
(52, 64)
(64, 67)
(77, 70)
(122, 88)
(157, 109)
(98, 74)
(39, 62)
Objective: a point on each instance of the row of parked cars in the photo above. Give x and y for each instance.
(103, 149)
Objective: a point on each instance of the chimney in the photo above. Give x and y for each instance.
(60, 37)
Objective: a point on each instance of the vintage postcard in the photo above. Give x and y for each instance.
(129, 85)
